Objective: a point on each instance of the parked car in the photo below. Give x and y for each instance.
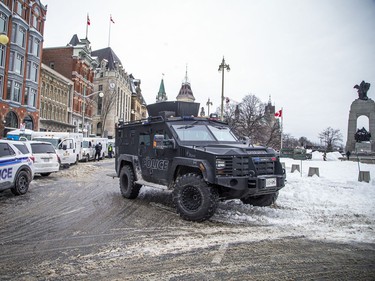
(16, 167)
(46, 160)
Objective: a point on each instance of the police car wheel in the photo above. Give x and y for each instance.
(21, 184)
(261, 200)
(194, 199)
(129, 189)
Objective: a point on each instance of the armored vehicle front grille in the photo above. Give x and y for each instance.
(264, 167)
(234, 166)
(241, 166)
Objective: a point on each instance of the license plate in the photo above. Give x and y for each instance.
(271, 182)
(46, 159)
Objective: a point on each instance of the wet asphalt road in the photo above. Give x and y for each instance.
(75, 225)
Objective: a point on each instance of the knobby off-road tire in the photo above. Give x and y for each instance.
(128, 188)
(21, 184)
(261, 200)
(194, 199)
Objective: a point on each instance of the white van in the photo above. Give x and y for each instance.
(88, 149)
(104, 143)
(68, 145)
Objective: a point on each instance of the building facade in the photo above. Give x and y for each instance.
(138, 107)
(75, 62)
(113, 81)
(21, 28)
(56, 102)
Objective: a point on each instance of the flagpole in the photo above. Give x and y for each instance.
(87, 25)
(281, 135)
(109, 33)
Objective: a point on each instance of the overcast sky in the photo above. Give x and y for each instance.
(306, 54)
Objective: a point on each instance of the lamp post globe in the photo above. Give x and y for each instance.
(4, 39)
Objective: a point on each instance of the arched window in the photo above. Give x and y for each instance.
(99, 128)
(29, 123)
(35, 18)
(11, 120)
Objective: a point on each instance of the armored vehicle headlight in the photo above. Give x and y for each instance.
(220, 163)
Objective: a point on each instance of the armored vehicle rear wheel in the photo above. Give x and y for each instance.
(194, 199)
(261, 200)
(128, 188)
(21, 184)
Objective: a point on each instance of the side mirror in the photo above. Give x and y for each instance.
(161, 143)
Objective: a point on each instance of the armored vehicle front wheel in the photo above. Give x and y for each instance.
(21, 184)
(129, 189)
(194, 199)
(261, 200)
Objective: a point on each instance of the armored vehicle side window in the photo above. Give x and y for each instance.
(144, 139)
(193, 133)
(6, 150)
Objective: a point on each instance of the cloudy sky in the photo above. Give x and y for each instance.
(306, 54)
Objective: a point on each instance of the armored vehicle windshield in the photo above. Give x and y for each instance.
(203, 132)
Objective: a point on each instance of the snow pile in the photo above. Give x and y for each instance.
(334, 206)
(330, 156)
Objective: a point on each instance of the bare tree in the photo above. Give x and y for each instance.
(108, 102)
(248, 119)
(289, 141)
(331, 138)
(272, 134)
(303, 141)
(104, 105)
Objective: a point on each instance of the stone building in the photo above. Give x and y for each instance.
(21, 41)
(75, 62)
(138, 107)
(113, 81)
(55, 102)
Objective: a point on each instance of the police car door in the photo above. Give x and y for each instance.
(8, 166)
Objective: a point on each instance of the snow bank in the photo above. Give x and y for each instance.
(334, 206)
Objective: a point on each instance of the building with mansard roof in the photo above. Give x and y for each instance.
(120, 93)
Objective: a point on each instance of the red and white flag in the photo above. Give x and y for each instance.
(112, 19)
(88, 20)
(279, 114)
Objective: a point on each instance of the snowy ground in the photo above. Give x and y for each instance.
(334, 206)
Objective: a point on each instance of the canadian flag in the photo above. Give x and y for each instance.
(88, 20)
(279, 113)
(112, 19)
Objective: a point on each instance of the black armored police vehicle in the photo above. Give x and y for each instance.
(199, 159)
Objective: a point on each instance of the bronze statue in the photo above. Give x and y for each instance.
(362, 90)
(362, 135)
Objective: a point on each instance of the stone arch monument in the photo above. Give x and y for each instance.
(361, 106)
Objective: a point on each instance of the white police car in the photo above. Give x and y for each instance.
(16, 168)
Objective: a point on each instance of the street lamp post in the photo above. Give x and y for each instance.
(208, 106)
(84, 97)
(222, 66)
